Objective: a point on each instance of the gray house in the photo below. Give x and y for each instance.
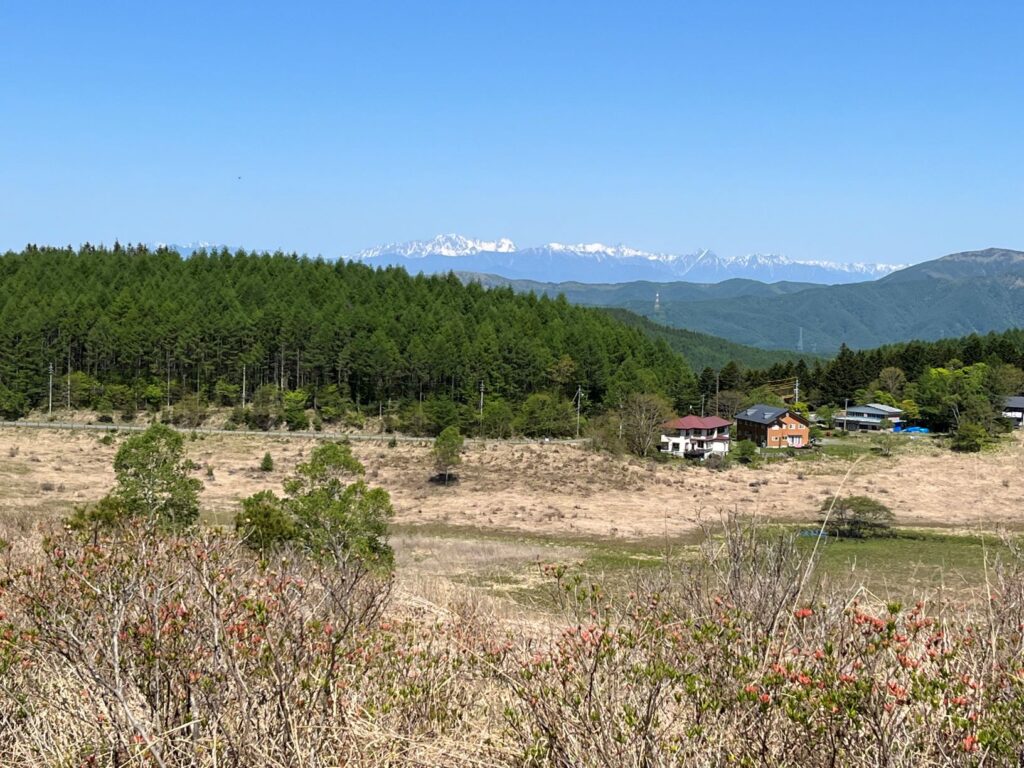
(1013, 409)
(867, 417)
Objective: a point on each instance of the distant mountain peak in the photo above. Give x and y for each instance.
(451, 245)
(598, 262)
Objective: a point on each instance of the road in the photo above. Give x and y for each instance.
(324, 435)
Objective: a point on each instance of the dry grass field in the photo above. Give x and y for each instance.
(482, 648)
(515, 504)
(554, 490)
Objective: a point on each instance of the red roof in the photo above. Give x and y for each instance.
(696, 422)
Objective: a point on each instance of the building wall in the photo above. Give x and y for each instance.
(788, 431)
(746, 430)
(687, 445)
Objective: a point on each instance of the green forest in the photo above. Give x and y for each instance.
(286, 340)
(276, 336)
(941, 384)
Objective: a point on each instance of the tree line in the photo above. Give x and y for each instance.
(276, 335)
(943, 384)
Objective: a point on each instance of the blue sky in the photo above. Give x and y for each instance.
(858, 131)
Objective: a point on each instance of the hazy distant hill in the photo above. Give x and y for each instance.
(639, 291)
(959, 294)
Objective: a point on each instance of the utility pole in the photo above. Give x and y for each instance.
(717, 381)
(69, 378)
(702, 396)
(579, 402)
(481, 407)
(49, 405)
(243, 386)
(846, 406)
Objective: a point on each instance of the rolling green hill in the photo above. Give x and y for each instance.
(959, 294)
(640, 292)
(702, 350)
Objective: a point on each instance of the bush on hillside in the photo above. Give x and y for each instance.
(969, 438)
(328, 511)
(856, 517)
(744, 451)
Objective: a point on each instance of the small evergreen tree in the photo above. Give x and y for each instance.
(267, 463)
(447, 450)
(294, 410)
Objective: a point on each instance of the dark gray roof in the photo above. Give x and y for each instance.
(761, 413)
(1013, 402)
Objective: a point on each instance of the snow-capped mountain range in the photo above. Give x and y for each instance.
(187, 249)
(599, 263)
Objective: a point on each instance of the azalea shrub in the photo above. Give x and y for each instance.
(189, 649)
(139, 644)
(742, 659)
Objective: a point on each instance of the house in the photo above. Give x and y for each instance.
(773, 427)
(695, 436)
(1013, 409)
(867, 417)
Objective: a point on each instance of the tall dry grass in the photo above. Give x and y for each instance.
(145, 648)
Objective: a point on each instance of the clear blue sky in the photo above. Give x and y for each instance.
(872, 131)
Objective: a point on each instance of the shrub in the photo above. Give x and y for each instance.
(744, 451)
(267, 463)
(12, 405)
(856, 517)
(189, 412)
(604, 434)
(969, 438)
(186, 646)
(263, 523)
(328, 510)
(152, 482)
(264, 412)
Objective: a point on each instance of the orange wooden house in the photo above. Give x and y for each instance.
(773, 427)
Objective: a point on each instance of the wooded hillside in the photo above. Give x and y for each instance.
(137, 328)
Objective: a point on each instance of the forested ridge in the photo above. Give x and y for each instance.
(138, 328)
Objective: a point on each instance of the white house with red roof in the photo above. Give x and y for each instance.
(695, 436)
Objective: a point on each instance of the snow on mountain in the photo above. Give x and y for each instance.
(442, 245)
(599, 263)
(187, 249)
